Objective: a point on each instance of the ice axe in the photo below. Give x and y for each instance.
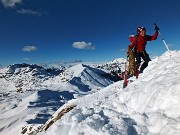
(156, 28)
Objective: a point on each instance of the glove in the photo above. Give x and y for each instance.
(156, 28)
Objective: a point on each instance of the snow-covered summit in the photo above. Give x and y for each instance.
(148, 106)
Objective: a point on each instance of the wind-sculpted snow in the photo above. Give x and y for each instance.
(147, 106)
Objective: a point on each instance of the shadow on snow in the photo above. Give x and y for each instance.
(48, 101)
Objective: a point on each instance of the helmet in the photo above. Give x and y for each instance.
(139, 29)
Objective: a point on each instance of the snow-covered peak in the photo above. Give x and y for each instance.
(80, 68)
(77, 69)
(82, 78)
(119, 60)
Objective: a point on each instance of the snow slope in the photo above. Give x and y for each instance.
(30, 94)
(148, 106)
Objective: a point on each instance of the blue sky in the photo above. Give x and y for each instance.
(38, 31)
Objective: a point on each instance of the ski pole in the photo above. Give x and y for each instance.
(162, 38)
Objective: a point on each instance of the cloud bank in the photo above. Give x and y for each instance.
(83, 45)
(29, 48)
(10, 3)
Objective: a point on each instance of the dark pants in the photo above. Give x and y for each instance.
(145, 57)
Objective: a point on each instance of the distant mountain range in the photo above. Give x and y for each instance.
(37, 92)
(27, 76)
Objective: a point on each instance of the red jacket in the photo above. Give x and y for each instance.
(141, 41)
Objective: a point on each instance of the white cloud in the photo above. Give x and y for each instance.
(29, 48)
(29, 12)
(26, 59)
(123, 50)
(83, 45)
(10, 3)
